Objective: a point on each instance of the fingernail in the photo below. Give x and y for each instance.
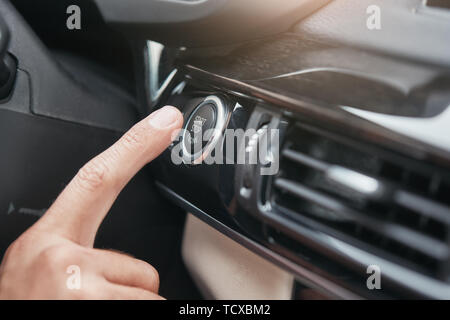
(164, 117)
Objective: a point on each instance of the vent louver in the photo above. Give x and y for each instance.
(394, 207)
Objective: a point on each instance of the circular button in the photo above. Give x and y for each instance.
(198, 133)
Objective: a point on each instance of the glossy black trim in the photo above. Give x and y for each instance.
(414, 283)
(336, 120)
(402, 282)
(332, 116)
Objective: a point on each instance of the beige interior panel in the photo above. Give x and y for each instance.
(223, 269)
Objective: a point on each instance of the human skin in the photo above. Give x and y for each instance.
(35, 265)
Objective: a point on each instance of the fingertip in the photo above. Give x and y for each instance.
(167, 117)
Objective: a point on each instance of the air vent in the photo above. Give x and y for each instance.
(390, 206)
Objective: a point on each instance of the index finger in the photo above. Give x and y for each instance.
(81, 207)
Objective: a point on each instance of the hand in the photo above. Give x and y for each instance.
(36, 265)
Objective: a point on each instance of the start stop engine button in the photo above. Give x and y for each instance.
(203, 127)
(198, 132)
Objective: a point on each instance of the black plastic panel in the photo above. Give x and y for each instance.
(219, 192)
(63, 94)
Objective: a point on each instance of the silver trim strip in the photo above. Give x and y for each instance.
(221, 122)
(154, 52)
(302, 274)
(405, 278)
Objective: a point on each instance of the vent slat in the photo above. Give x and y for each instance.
(365, 185)
(394, 206)
(305, 160)
(424, 206)
(405, 236)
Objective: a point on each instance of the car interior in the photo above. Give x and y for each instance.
(357, 91)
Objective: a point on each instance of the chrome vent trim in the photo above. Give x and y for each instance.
(380, 206)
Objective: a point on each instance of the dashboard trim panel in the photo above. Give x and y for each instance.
(397, 274)
(299, 272)
(335, 116)
(342, 121)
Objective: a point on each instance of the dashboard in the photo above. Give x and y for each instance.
(359, 165)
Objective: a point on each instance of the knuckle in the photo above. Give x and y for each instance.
(18, 245)
(17, 248)
(22, 244)
(93, 174)
(134, 138)
(58, 256)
